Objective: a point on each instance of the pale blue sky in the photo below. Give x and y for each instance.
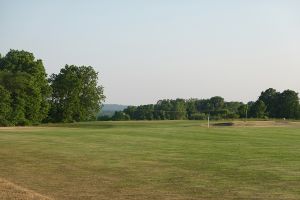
(146, 50)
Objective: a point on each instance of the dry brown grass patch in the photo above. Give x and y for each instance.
(11, 191)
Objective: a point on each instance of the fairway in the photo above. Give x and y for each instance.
(151, 160)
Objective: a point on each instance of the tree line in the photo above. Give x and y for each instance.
(270, 104)
(28, 96)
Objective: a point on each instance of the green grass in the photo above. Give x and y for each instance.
(153, 160)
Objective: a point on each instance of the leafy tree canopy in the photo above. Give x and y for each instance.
(76, 94)
(26, 81)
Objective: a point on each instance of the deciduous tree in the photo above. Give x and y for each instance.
(5, 107)
(76, 94)
(26, 80)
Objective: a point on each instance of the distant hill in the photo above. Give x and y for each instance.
(110, 109)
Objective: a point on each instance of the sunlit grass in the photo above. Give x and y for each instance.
(153, 160)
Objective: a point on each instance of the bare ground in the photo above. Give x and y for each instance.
(269, 123)
(11, 191)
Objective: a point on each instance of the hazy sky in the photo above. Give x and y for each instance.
(146, 50)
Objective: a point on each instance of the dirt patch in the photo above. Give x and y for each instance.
(11, 191)
(25, 128)
(265, 123)
(18, 128)
(270, 123)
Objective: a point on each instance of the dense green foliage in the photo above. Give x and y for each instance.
(193, 109)
(270, 104)
(76, 95)
(5, 106)
(280, 105)
(24, 81)
(26, 95)
(258, 109)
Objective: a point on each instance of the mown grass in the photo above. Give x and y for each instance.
(153, 160)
